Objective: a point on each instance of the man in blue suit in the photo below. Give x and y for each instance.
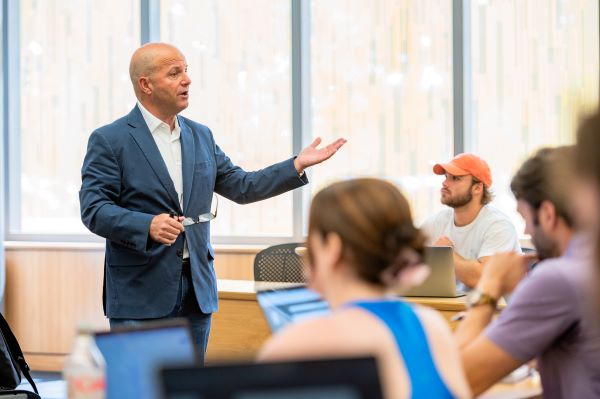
(146, 170)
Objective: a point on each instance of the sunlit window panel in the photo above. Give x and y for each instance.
(239, 57)
(73, 78)
(381, 76)
(534, 73)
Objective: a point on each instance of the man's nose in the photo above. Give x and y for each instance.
(186, 80)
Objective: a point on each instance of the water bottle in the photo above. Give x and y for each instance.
(84, 370)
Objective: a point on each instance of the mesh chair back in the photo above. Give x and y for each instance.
(279, 263)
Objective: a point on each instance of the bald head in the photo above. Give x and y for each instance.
(148, 58)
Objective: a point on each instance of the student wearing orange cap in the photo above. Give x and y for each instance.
(473, 228)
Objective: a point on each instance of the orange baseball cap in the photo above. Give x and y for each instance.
(466, 164)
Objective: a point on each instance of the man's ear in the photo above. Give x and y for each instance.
(145, 85)
(547, 214)
(477, 188)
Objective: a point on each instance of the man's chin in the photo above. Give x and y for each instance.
(448, 202)
(181, 106)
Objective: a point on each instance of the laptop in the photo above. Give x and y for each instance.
(347, 378)
(133, 356)
(291, 304)
(441, 281)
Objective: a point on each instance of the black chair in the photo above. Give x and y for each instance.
(279, 263)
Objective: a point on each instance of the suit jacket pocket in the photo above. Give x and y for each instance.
(125, 257)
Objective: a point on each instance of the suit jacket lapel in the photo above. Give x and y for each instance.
(143, 137)
(188, 159)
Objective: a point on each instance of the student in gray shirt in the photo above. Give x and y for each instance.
(544, 319)
(470, 225)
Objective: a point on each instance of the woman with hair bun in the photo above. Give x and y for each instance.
(362, 245)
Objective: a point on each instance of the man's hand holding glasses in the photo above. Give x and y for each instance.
(166, 227)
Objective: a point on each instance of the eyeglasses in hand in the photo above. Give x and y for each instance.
(203, 217)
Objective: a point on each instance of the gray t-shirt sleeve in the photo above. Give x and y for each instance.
(428, 228)
(501, 236)
(540, 310)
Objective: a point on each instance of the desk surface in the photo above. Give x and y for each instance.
(246, 290)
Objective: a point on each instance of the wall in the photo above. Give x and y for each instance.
(51, 289)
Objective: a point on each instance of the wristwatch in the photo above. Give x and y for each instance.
(478, 297)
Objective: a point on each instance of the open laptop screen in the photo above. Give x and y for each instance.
(134, 356)
(350, 378)
(441, 281)
(286, 305)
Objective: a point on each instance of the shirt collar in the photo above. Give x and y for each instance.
(154, 123)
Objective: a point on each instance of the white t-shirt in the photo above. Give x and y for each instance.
(490, 232)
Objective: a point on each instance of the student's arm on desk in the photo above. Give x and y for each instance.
(485, 363)
(468, 270)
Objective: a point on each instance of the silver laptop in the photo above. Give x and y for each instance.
(441, 281)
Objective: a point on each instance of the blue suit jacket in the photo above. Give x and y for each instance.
(125, 183)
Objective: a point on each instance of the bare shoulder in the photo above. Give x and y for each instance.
(431, 319)
(301, 340)
(334, 335)
(444, 350)
(438, 333)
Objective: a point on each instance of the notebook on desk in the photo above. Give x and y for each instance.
(441, 281)
(134, 356)
(348, 378)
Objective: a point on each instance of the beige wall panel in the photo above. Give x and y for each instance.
(49, 291)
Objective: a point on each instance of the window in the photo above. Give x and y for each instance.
(239, 57)
(72, 66)
(534, 70)
(381, 76)
(379, 73)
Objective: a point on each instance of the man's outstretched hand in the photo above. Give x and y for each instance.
(312, 155)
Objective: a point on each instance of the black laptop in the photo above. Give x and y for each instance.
(348, 378)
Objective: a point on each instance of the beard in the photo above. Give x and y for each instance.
(457, 201)
(544, 246)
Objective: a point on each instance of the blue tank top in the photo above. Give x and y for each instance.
(404, 324)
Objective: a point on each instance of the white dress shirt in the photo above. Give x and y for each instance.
(169, 145)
